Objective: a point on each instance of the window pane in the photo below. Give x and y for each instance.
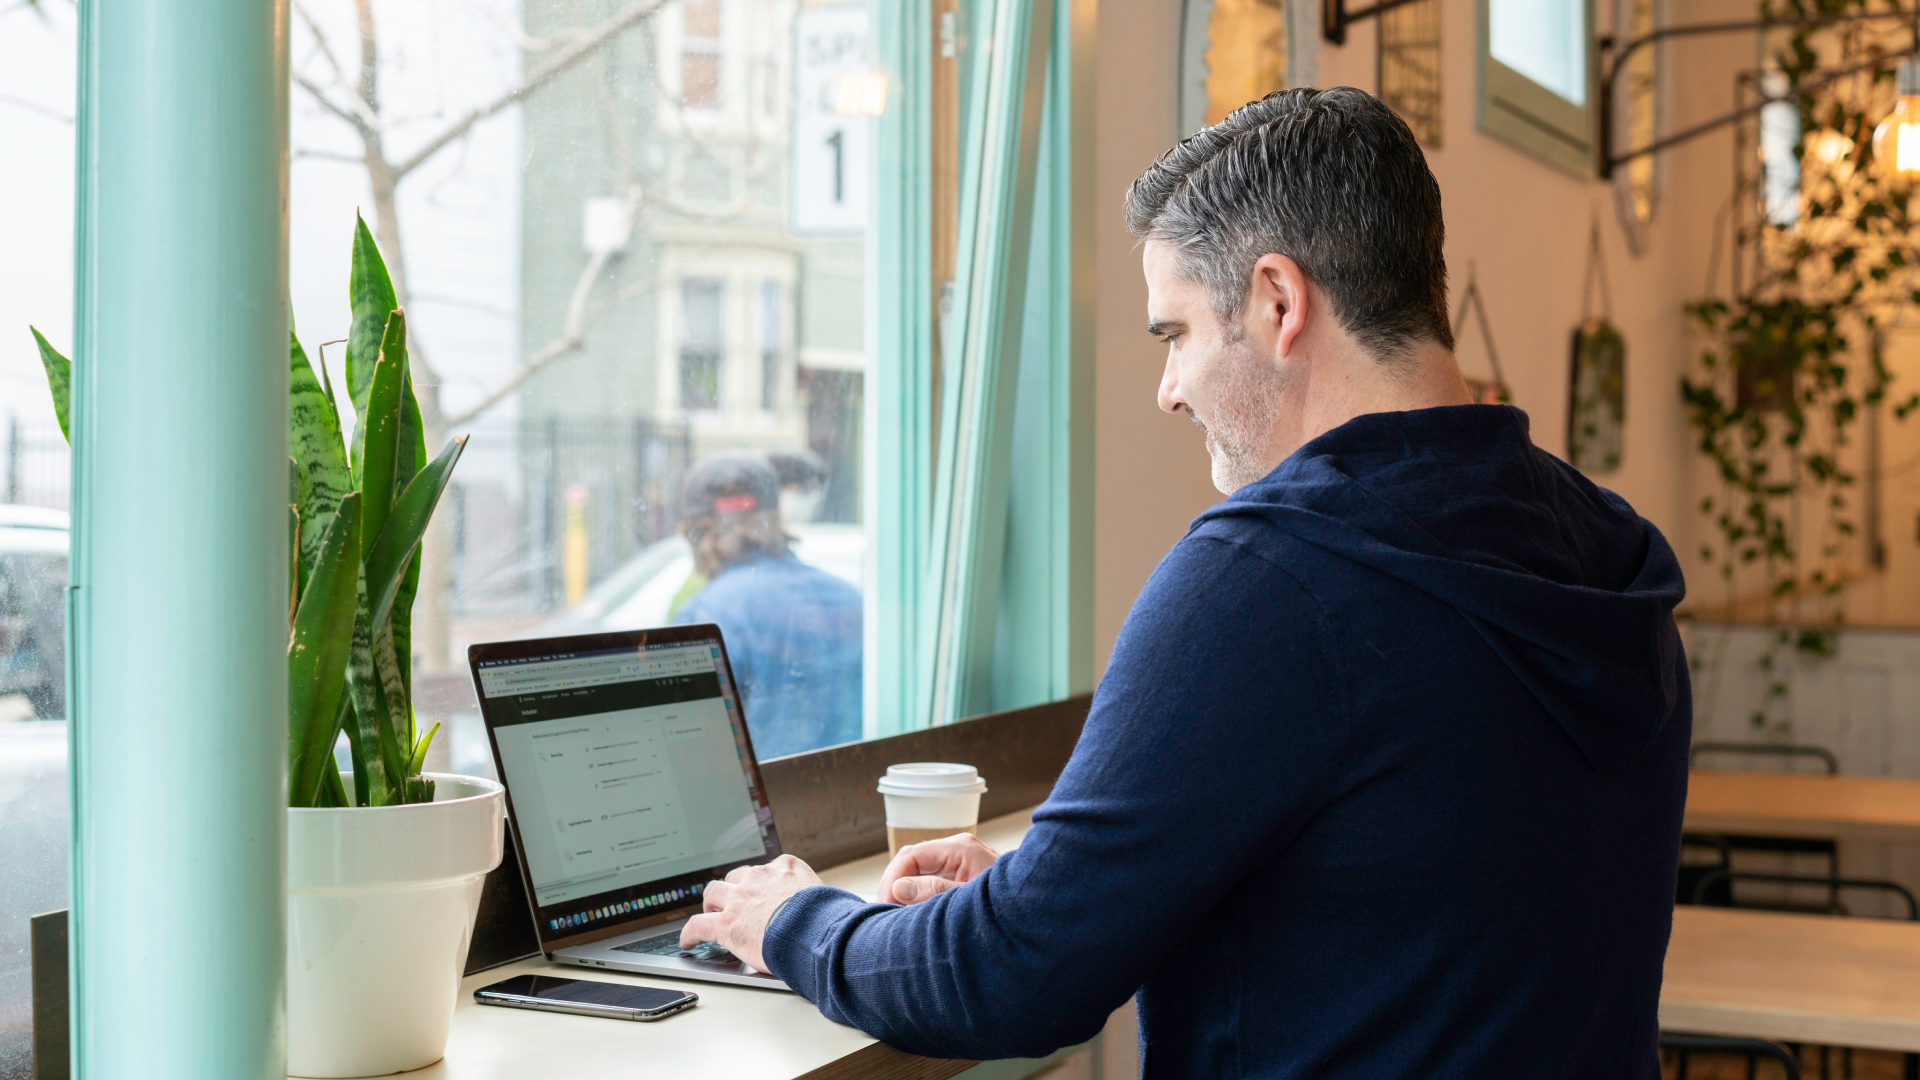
(772, 343)
(1545, 40)
(702, 343)
(37, 78)
(602, 280)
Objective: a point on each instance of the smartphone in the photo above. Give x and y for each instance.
(585, 997)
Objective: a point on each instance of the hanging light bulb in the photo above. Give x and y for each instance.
(1896, 142)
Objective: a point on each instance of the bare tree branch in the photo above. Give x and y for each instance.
(320, 40)
(35, 107)
(328, 155)
(573, 334)
(540, 76)
(364, 125)
(369, 58)
(525, 41)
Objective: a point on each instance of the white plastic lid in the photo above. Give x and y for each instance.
(932, 778)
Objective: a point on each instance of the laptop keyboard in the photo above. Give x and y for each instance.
(669, 945)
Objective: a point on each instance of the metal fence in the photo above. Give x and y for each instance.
(38, 466)
(509, 499)
(512, 497)
(621, 476)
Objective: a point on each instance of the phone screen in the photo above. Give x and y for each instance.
(584, 992)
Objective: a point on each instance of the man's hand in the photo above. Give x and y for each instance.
(923, 871)
(736, 911)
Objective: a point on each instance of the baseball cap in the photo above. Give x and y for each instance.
(732, 482)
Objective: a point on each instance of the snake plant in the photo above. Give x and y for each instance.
(355, 515)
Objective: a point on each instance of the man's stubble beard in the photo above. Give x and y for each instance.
(1239, 428)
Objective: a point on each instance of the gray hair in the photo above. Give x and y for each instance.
(1330, 178)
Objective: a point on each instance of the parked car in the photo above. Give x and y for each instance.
(639, 594)
(33, 753)
(33, 585)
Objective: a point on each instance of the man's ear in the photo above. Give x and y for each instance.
(1277, 297)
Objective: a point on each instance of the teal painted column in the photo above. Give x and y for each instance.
(179, 591)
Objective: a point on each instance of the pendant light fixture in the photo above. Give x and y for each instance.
(1896, 142)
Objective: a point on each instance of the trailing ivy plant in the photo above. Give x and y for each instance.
(355, 515)
(1786, 377)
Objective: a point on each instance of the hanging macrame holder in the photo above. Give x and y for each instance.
(1597, 373)
(1483, 391)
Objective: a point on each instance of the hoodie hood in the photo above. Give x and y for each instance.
(1573, 590)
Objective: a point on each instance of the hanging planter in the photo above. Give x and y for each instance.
(1597, 383)
(1492, 391)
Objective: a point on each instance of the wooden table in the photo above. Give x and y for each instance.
(1838, 982)
(736, 1031)
(1785, 804)
(1795, 978)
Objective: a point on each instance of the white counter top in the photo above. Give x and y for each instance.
(735, 1031)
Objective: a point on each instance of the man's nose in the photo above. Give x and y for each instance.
(1170, 397)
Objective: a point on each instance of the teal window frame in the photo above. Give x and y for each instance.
(1526, 115)
(981, 597)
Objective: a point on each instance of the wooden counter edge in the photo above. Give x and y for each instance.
(1789, 1025)
(1819, 829)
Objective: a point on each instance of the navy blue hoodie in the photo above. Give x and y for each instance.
(1384, 779)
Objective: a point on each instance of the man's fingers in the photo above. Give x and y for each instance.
(700, 928)
(739, 873)
(912, 890)
(903, 865)
(715, 896)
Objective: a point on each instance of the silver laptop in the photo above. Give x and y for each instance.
(631, 783)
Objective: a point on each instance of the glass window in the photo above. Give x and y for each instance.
(700, 56)
(1545, 40)
(37, 44)
(602, 277)
(1537, 84)
(703, 337)
(639, 248)
(772, 343)
(1779, 154)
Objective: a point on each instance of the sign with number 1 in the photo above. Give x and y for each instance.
(832, 129)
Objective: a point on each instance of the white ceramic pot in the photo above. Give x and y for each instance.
(380, 910)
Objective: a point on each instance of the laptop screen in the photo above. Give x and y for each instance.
(629, 773)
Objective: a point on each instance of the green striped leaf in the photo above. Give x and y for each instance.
(400, 540)
(318, 652)
(313, 436)
(373, 780)
(294, 576)
(383, 711)
(409, 458)
(59, 380)
(371, 292)
(381, 422)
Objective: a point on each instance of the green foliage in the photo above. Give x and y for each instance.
(59, 380)
(387, 467)
(354, 528)
(318, 650)
(1776, 397)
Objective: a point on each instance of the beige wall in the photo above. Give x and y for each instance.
(1150, 470)
(1523, 223)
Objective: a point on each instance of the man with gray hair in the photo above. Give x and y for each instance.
(1386, 773)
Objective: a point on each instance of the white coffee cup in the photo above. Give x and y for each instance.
(927, 800)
